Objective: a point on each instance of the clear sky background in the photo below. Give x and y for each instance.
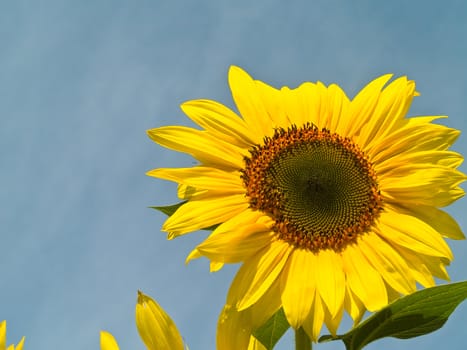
(82, 81)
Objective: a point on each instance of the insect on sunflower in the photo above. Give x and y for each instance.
(330, 204)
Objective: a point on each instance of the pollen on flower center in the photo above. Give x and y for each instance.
(319, 187)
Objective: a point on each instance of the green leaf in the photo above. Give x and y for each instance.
(270, 333)
(411, 316)
(170, 209)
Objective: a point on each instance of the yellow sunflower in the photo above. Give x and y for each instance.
(331, 204)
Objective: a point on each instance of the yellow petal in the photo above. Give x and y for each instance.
(333, 322)
(321, 106)
(237, 228)
(393, 104)
(215, 266)
(413, 234)
(438, 219)
(421, 176)
(274, 104)
(255, 344)
(353, 306)
(426, 197)
(338, 107)
(108, 342)
(257, 274)
(294, 110)
(201, 145)
(194, 254)
(315, 319)
(363, 280)
(330, 280)
(417, 267)
(248, 216)
(308, 99)
(363, 105)
(233, 329)
(2, 335)
(219, 121)
(198, 214)
(418, 135)
(317, 104)
(201, 177)
(249, 103)
(424, 185)
(155, 327)
(448, 159)
(298, 283)
(266, 306)
(237, 245)
(437, 267)
(189, 192)
(20, 344)
(392, 293)
(387, 262)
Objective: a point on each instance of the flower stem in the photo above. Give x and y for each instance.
(302, 341)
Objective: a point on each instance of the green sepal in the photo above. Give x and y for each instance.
(411, 316)
(170, 209)
(274, 328)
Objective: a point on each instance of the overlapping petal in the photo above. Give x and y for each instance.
(388, 262)
(298, 285)
(363, 281)
(414, 234)
(201, 145)
(389, 112)
(363, 106)
(250, 104)
(315, 319)
(220, 121)
(201, 177)
(235, 327)
(198, 214)
(330, 280)
(257, 274)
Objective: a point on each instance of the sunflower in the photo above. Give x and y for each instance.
(331, 204)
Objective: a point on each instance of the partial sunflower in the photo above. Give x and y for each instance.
(3, 339)
(331, 204)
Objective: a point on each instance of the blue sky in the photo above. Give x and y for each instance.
(82, 81)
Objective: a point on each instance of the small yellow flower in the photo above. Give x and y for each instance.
(108, 342)
(155, 327)
(3, 339)
(331, 204)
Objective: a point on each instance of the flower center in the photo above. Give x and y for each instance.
(318, 187)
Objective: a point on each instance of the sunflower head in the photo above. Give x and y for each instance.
(329, 203)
